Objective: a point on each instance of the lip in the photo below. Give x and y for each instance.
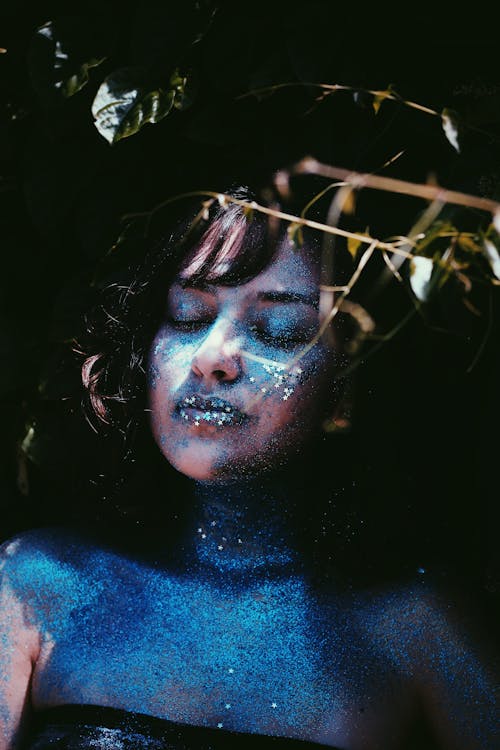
(200, 410)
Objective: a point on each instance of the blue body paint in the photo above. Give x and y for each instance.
(230, 633)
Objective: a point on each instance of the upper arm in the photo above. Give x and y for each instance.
(453, 665)
(18, 652)
(458, 683)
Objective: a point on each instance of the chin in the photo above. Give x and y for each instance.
(200, 464)
(217, 469)
(210, 462)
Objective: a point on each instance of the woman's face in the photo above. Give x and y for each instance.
(227, 394)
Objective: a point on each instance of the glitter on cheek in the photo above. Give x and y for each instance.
(273, 381)
(171, 363)
(277, 383)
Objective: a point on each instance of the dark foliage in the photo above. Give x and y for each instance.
(421, 449)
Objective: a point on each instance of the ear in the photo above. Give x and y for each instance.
(340, 419)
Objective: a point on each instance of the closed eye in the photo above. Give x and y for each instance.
(189, 326)
(282, 336)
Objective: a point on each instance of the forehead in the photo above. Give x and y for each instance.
(290, 270)
(290, 267)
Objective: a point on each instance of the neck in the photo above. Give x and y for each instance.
(246, 527)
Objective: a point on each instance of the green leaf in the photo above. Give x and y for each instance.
(183, 89)
(28, 441)
(77, 81)
(248, 212)
(379, 98)
(420, 276)
(450, 123)
(493, 256)
(347, 200)
(60, 61)
(468, 245)
(295, 234)
(353, 244)
(123, 104)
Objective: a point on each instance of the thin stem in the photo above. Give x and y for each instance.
(223, 197)
(310, 165)
(338, 304)
(331, 88)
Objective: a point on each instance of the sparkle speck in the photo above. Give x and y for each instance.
(264, 390)
(228, 705)
(274, 705)
(252, 379)
(220, 547)
(230, 670)
(220, 725)
(203, 536)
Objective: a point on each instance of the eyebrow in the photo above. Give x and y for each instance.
(198, 286)
(288, 297)
(283, 297)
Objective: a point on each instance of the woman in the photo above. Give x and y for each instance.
(226, 633)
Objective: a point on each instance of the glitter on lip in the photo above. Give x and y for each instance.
(198, 410)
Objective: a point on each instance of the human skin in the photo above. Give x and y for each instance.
(242, 344)
(230, 632)
(353, 669)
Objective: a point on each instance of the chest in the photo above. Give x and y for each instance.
(271, 659)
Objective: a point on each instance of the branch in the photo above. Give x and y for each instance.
(358, 180)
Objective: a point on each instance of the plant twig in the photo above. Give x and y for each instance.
(309, 165)
(293, 219)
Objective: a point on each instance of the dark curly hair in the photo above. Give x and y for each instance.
(129, 308)
(223, 239)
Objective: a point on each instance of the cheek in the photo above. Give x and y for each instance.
(168, 367)
(169, 364)
(298, 396)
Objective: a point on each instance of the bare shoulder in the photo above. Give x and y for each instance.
(415, 617)
(423, 611)
(29, 575)
(42, 566)
(435, 637)
(28, 552)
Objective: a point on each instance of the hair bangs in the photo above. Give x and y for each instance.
(236, 246)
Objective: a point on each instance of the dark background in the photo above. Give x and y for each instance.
(423, 444)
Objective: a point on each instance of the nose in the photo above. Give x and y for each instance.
(218, 358)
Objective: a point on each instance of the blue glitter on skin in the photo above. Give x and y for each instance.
(248, 641)
(233, 618)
